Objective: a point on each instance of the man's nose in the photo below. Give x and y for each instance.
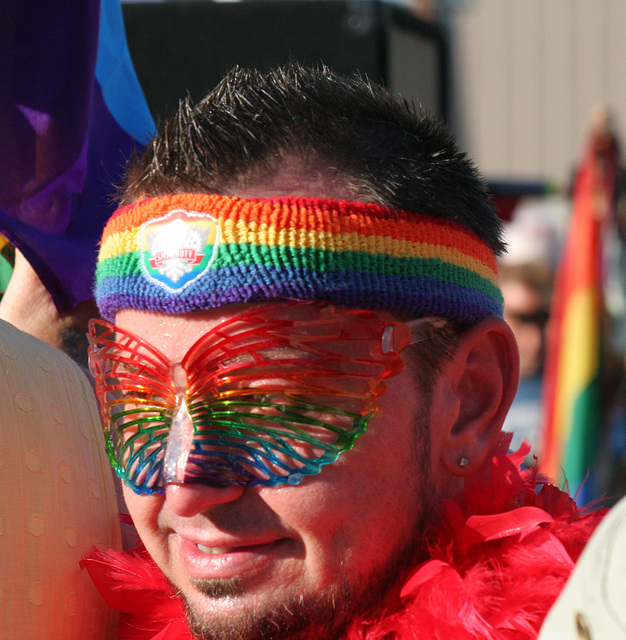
(190, 499)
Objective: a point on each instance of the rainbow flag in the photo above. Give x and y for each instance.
(572, 403)
(71, 112)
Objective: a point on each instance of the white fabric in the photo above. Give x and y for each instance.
(593, 603)
(56, 495)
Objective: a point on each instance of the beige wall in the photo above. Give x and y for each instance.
(526, 74)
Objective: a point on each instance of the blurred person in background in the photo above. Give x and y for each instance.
(526, 275)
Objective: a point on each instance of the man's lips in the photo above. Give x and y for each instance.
(213, 561)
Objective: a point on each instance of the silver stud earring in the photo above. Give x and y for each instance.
(463, 461)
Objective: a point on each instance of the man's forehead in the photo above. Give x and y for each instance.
(173, 334)
(169, 332)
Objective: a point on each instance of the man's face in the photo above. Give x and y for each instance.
(527, 316)
(255, 561)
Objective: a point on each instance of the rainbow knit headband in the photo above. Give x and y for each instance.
(179, 253)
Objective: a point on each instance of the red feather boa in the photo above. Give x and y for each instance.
(495, 568)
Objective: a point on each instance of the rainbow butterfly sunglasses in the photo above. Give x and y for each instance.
(264, 398)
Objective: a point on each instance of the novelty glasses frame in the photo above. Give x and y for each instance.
(264, 398)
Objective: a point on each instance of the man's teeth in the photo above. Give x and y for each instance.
(213, 550)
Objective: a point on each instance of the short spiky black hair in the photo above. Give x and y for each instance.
(389, 151)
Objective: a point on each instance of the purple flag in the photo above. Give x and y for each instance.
(71, 111)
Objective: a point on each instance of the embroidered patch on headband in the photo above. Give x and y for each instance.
(185, 252)
(178, 248)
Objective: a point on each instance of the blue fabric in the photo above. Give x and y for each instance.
(71, 111)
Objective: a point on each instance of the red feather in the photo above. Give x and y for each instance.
(132, 584)
(496, 566)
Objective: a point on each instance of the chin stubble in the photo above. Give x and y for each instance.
(329, 613)
(216, 589)
(308, 616)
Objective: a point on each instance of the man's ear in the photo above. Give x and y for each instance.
(474, 392)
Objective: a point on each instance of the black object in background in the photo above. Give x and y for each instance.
(187, 47)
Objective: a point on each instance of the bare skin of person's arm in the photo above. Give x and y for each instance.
(28, 306)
